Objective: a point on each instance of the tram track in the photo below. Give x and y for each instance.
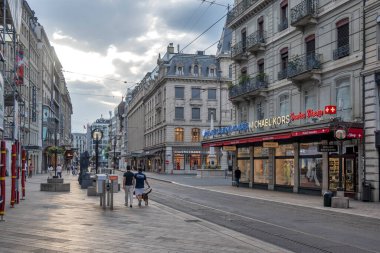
(289, 238)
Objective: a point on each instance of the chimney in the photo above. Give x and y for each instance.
(170, 48)
(200, 52)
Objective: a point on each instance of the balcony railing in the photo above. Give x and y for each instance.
(284, 24)
(283, 74)
(301, 64)
(239, 9)
(238, 49)
(256, 40)
(301, 13)
(341, 52)
(249, 85)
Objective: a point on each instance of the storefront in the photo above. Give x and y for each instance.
(303, 158)
(189, 158)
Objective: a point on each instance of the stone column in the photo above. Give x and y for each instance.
(271, 162)
(251, 167)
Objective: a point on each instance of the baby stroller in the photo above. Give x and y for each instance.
(145, 195)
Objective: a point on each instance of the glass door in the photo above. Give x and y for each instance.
(348, 173)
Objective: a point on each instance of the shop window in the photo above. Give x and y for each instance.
(195, 113)
(285, 150)
(260, 152)
(261, 171)
(311, 172)
(343, 100)
(284, 171)
(284, 104)
(179, 92)
(179, 113)
(243, 152)
(195, 93)
(179, 134)
(309, 149)
(211, 113)
(195, 134)
(245, 168)
(211, 94)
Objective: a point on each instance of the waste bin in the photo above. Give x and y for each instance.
(327, 196)
(366, 192)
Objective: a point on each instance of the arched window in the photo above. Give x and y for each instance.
(179, 134)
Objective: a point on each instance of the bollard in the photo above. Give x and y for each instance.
(104, 194)
(111, 195)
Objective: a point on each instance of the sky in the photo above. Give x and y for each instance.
(107, 46)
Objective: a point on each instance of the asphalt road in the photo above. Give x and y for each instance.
(299, 229)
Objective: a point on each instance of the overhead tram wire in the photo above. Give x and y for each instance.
(200, 17)
(215, 3)
(203, 32)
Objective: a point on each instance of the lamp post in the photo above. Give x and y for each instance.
(97, 135)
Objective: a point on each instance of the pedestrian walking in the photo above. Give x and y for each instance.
(68, 169)
(237, 176)
(139, 186)
(30, 173)
(59, 171)
(128, 185)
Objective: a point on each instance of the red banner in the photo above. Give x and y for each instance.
(355, 133)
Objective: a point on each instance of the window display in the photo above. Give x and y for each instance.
(245, 168)
(311, 172)
(261, 171)
(284, 172)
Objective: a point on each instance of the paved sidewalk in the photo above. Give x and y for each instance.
(73, 222)
(368, 209)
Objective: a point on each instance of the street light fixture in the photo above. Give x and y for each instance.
(97, 135)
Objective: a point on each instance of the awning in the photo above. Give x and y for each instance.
(352, 133)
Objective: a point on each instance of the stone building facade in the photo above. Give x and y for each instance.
(298, 91)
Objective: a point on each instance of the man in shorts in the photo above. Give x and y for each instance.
(139, 187)
(128, 184)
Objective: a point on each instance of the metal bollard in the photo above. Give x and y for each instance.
(104, 194)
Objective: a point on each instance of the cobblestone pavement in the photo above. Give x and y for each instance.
(73, 222)
(367, 209)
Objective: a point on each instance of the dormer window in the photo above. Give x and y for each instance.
(212, 71)
(180, 70)
(196, 70)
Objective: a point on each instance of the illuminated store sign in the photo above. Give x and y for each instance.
(268, 122)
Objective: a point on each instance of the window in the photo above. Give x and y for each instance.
(212, 72)
(211, 94)
(195, 93)
(284, 105)
(260, 66)
(343, 100)
(179, 113)
(310, 101)
(260, 24)
(244, 39)
(195, 113)
(343, 39)
(180, 70)
(179, 92)
(211, 111)
(284, 64)
(179, 134)
(195, 134)
(259, 111)
(196, 70)
(283, 15)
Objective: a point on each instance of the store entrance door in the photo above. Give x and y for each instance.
(349, 173)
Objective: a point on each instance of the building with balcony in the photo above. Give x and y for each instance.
(294, 86)
(179, 98)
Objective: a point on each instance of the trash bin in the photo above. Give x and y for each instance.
(327, 196)
(366, 192)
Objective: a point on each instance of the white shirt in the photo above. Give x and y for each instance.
(59, 168)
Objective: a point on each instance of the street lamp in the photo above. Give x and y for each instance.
(97, 135)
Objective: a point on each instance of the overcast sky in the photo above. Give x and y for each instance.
(102, 43)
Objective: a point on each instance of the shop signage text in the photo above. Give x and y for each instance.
(268, 122)
(270, 144)
(327, 148)
(229, 148)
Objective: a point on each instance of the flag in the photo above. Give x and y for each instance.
(330, 109)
